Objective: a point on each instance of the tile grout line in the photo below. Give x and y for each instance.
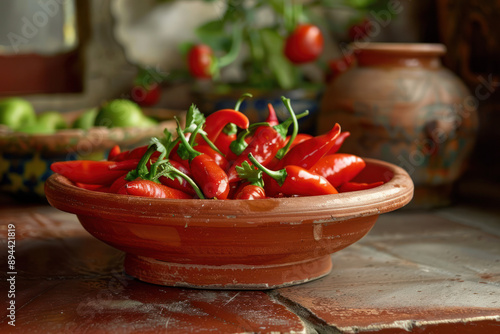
(312, 323)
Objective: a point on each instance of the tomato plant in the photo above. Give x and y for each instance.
(200, 60)
(304, 44)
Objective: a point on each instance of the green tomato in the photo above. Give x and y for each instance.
(147, 122)
(36, 129)
(16, 112)
(86, 120)
(119, 113)
(52, 120)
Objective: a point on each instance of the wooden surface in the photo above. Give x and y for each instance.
(428, 272)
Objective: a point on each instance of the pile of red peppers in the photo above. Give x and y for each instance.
(223, 156)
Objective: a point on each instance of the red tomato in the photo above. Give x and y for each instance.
(305, 44)
(200, 58)
(146, 96)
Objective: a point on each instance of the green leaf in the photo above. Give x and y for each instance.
(184, 48)
(214, 35)
(148, 76)
(284, 71)
(359, 3)
(194, 118)
(183, 152)
(250, 173)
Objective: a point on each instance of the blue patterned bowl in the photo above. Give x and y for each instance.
(25, 159)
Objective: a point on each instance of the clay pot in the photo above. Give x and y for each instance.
(402, 106)
(233, 244)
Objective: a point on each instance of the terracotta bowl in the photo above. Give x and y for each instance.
(25, 159)
(233, 244)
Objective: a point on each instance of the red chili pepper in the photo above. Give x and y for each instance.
(125, 165)
(233, 189)
(115, 150)
(339, 168)
(178, 183)
(211, 178)
(218, 158)
(136, 153)
(206, 172)
(338, 142)
(299, 139)
(118, 183)
(294, 181)
(308, 152)
(147, 188)
(90, 172)
(253, 186)
(226, 137)
(215, 123)
(272, 119)
(266, 142)
(355, 186)
(250, 191)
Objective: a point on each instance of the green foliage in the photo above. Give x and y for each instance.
(238, 34)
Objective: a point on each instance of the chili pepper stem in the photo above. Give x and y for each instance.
(231, 56)
(141, 166)
(192, 152)
(239, 144)
(164, 152)
(205, 138)
(230, 129)
(168, 168)
(211, 144)
(281, 153)
(278, 175)
(240, 100)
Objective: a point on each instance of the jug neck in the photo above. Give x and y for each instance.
(399, 54)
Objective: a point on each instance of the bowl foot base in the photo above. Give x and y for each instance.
(237, 277)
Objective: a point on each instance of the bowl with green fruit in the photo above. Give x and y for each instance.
(30, 142)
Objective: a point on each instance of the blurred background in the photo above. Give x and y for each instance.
(69, 55)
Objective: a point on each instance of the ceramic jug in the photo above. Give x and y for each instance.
(402, 106)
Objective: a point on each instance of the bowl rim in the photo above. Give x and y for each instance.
(393, 194)
(99, 137)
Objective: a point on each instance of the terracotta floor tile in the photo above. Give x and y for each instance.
(393, 279)
(120, 304)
